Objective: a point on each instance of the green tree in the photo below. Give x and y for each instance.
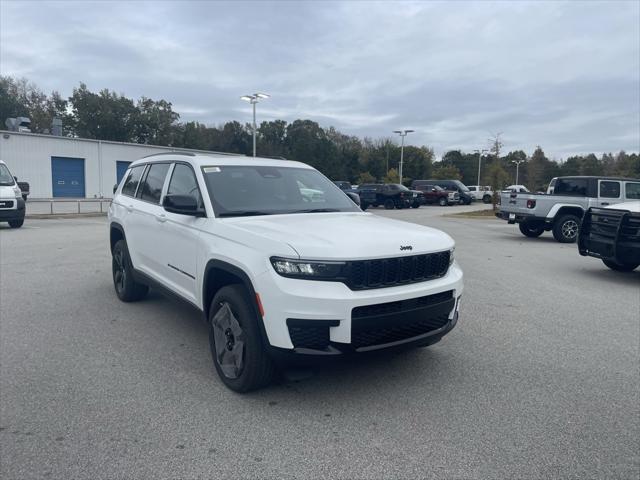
(105, 115)
(498, 178)
(366, 177)
(446, 172)
(391, 176)
(154, 122)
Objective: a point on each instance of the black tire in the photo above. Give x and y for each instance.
(16, 223)
(415, 205)
(443, 202)
(389, 204)
(486, 199)
(621, 267)
(376, 205)
(245, 366)
(566, 228)
(364, 206)
(531, 229)
(127, 289)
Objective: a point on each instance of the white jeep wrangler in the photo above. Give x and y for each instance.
(278, 273)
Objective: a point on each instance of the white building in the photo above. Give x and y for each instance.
(70, 167)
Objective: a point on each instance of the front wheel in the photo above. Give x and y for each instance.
(16, 223)
(443, 202)
(389, 205)
(531, 229)
(415, 205)
(621, 267)
(235, 341)
(486, 199)
(127, 289)
(364, 206)
(565, 229)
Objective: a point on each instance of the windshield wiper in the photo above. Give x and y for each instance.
(243, 213)
(317, 210)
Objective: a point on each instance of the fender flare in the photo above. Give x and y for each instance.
(120, 228)
(246, 282)
(554, 210)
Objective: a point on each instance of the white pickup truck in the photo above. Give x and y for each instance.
(560, 210)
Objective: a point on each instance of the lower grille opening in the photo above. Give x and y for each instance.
(390, 322)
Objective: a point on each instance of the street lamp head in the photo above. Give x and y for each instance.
(246, 98)
(262, 95)
(397, 131)
(409, 131)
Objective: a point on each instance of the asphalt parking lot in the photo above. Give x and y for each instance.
(540, 378)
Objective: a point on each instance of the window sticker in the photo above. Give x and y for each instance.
(211, 169)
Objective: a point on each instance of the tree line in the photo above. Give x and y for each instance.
(107, 115)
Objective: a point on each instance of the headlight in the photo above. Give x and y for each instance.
(312, 270)
(17, 191)
(451, 255)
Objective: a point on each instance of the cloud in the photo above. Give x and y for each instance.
(564, 75)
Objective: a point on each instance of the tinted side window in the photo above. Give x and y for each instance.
(153, 182)
(571, 186)
(183, 182)
(632, 191)
(131, 183)
(610, 189)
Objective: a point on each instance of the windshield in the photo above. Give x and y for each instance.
(240, 190)
(5, 175)
(461, 185)
(402, 187)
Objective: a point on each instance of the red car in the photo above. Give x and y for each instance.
(436, 194)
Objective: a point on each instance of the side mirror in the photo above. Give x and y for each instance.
(15, 178)
(115, 187)
(182, 205)
(433, 190)
(355, 198)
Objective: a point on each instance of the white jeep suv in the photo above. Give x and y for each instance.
(276, 272)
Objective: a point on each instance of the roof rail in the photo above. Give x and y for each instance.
(188, 154)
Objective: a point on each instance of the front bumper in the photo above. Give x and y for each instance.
(339, 320)
(16, 211)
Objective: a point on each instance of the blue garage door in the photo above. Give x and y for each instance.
(68, 176)
(121, 168)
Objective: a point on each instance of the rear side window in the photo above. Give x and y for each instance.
(154, 181)
(183, 182)
(632, 191)
(132, 181)
(576, 187)
(610, 189)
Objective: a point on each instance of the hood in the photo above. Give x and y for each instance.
(345, 236)
(633, 206)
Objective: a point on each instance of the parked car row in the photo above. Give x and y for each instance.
(601, 213)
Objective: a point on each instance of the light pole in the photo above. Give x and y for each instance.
(402, 133)
(253, 99)
(480, 152)
(517, 162)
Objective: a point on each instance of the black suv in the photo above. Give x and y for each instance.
(392, 195)
(455, 185)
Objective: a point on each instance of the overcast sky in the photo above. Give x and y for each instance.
(565, 76)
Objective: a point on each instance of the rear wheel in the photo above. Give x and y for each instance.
(389, 205)
(621, 267)
(443, 202)
(127, 289)
(236, 343)
(565, 229)
(486, 199)
(531, 229)
(16, 223)
(415, 205)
